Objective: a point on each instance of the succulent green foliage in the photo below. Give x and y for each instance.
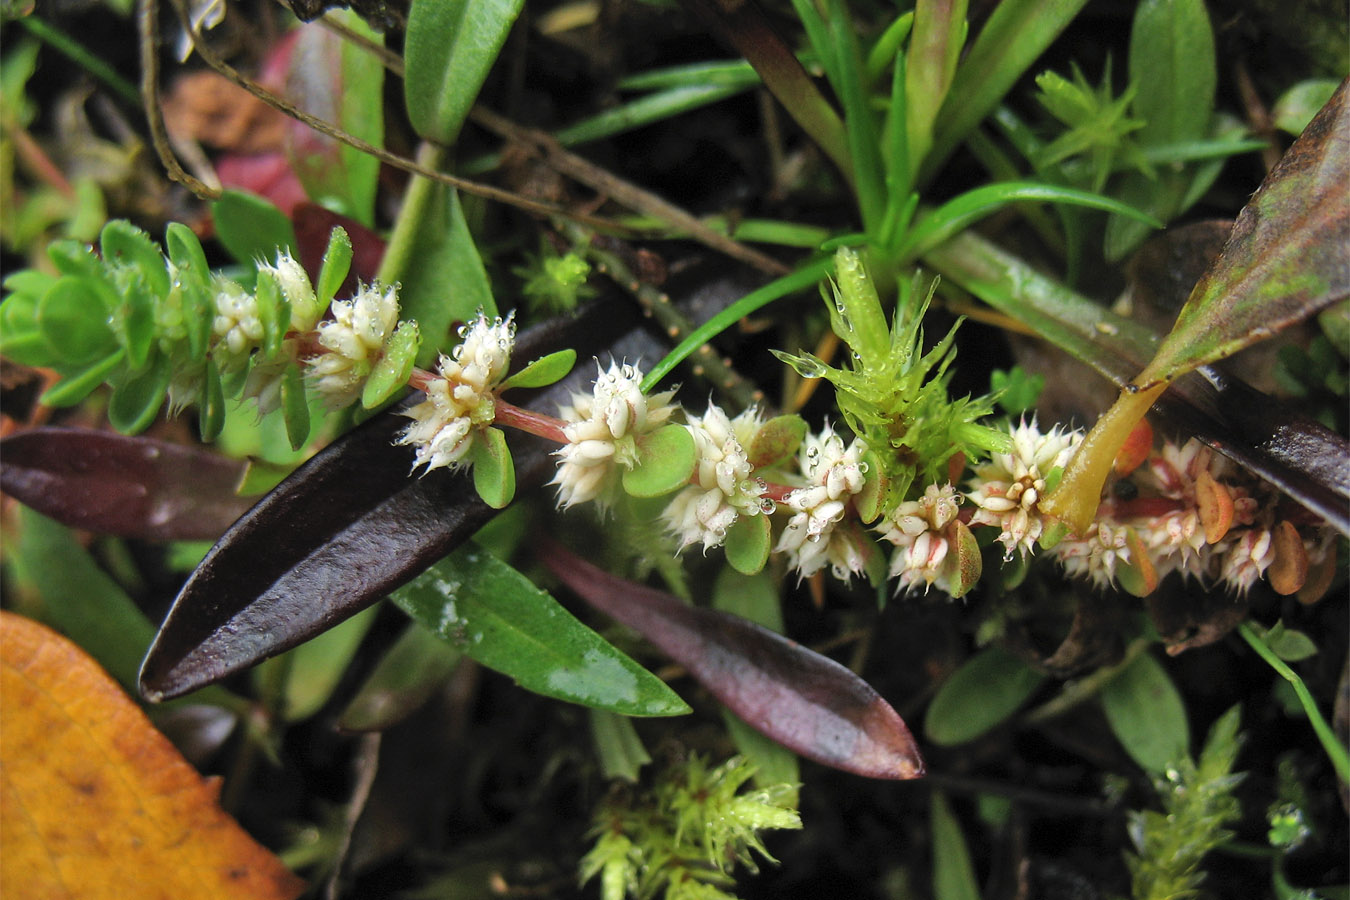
(494, 474)
(892, 394)
(1098, 126)
(543, 371)
(1198, 805)
(683, 837)
(665, 462)
(748, 542)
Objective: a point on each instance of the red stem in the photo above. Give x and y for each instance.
(536, 423)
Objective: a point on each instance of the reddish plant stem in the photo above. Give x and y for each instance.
(536, 423)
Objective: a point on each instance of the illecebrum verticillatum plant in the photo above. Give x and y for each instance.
(728, 476)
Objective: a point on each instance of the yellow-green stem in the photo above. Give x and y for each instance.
(1075, 501)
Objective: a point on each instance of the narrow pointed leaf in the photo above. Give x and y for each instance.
(409, 674)
(543, 371)
(342, 531)
(496, 615)
(805, 701)
(128, 486)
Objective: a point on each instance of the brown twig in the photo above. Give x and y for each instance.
(148, 26)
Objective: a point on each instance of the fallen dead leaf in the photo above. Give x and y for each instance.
(94, 802)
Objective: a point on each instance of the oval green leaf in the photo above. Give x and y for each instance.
(1147, 715)
(74, 322)
(666, 460)
(987, 689)
(747, 545)
(543, 371)
(449, 47)
(776, 441)
(136, 400)
(497, 616)
(494, 475)
(251, 228)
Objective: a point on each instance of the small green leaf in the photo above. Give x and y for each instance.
(314, 669)
(251, 228)
(754, 597)
(1297, 106)
(136, 400)
(953, 871)
(497, 616)
(125, 244)
(136, 319)
(274, 311)
(870, 500)
(211, 406)
(295, 407)
(1147, 714)
(776, 441)
(666, 460)
(405, 678)
(186, 254)
(394, 368)
(448, 49)
(543, 371)
(75, 386)
(987, 689)
(747, 545)
(494, 475)
(442, 279)
(1288, 644)
(337, 262)
(74, 322)
(621, 753)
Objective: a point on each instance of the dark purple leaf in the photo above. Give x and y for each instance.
(136, 487)
(345, 529)
(804, 701)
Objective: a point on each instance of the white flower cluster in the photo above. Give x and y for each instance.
(1183, 492)
(812, 537)
(1008, 488)
(600, 432)
(353, 341)
(721, 490)
(459, 401)
(919, 531)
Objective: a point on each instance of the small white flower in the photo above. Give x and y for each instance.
(833, 475)
(459, 402)
(1246, 559)
(600, 429)
(353, 341)
(236, 325)
(1008, 488)
(1096, 554)
(295, 286)
(918, 529)
(722, 489)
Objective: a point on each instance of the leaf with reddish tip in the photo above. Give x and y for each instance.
(342, 531)
(128, 486)
(805, 701)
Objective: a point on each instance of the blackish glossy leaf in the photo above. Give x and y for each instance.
(344, 530)
(132, 487)
(805, 701)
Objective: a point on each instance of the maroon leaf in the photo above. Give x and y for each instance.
(804, 701)
(134, 487)
(343, 530)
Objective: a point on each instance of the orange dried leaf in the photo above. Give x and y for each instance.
(1289, 572)
(1136, 448)
(1214, 505)
(94, 800)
